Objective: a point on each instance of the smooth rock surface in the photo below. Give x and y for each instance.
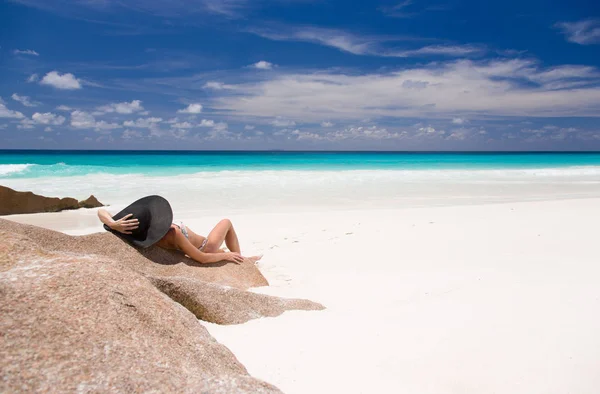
(226, 305)
(153, 261)
(85, 323)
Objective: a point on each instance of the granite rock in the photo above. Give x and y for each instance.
(14, 202)
(86, 323)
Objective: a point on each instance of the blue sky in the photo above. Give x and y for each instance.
(300, 74)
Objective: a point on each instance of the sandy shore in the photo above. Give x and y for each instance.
(496, 298)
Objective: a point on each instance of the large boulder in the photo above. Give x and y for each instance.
(14, 202)
(153, 261)
(85, 323)
(93, 314)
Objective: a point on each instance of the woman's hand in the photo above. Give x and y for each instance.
(125, 225)
(233, 257)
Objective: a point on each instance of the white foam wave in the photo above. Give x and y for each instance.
(6, 169)
(248, 187)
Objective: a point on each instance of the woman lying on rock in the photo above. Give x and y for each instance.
(149, 221)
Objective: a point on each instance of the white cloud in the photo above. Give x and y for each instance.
(262, 65)
(64, 108)
(555, 133)
(349, 133)
(48, 129)
(48, 118)
(26, 124)
(7, 113)
(33, 78)
(217, 86)
(144, 123)
(249, 127)
(124, 108)
(25, 100)
(182, 125)
(191, 109)
(220, 132)
(102, 125)
(129, 134)
(207, 123)
(584, 32)
(459, 121)
(362, 44)
(84, 120)
(283, 123)
(461, 88)
(61, 81)
(327, 124)
(221, 126)
(429, 130)
(29, 52)
(459, 134)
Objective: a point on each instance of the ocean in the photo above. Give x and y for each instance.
(221, 182)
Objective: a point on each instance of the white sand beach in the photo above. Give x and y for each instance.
(477, 298)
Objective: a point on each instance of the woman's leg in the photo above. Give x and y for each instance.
(223, 231)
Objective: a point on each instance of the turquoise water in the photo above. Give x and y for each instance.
(35, 164)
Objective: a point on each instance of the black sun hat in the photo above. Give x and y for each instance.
(155, 216)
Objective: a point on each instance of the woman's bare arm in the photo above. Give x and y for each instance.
(205, 258)
(123, 225)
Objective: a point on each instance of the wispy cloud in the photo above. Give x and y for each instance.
(408, 9)
(458, 89)
(344, 41)
(439, 50)
(165, 8)
(212, 85)
(398, 10)
(28, 52)
(364, 44)
(25, 100)
(584, 32)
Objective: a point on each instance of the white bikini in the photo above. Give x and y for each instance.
(185, 234)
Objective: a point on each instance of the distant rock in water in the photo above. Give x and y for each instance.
(93, 314)
(90, 202)
(13, 202)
